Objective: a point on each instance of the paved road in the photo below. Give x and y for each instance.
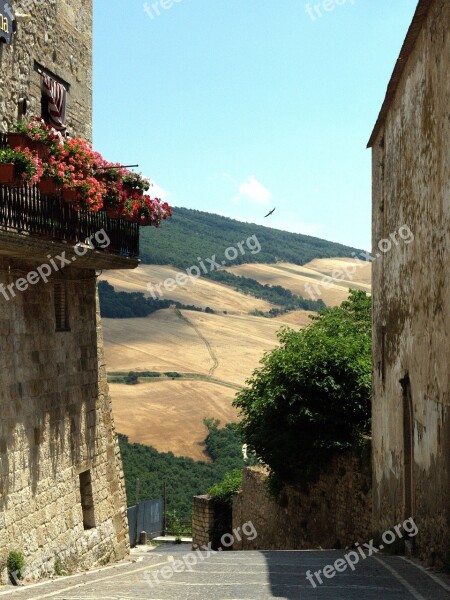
(242, 576)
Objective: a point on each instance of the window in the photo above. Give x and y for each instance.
(87, 500)
(61, 308)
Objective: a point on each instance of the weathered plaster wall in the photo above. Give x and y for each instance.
(55, 423)
(335, 512)
(59, 37)
(411, 294)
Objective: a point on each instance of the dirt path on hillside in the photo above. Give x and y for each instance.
(215, 365)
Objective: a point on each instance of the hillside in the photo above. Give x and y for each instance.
(302, 280)
(211, 355)
(192, 234)
(215, 353)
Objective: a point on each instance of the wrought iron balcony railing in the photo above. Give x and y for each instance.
(26, 210)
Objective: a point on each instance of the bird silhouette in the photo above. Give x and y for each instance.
(271, 212)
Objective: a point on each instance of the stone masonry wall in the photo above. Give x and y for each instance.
(334, 513)
(202, 521)
(59, 38)
(55, 423)
(62, 488)
(411, 297)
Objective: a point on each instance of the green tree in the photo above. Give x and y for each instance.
(311, 396)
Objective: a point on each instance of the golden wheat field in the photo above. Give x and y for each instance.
(168, 415)
(310, 278)
(221, 350)
(201, 292)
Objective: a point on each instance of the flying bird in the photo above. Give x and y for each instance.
(271, 212)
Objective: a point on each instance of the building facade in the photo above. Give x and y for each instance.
(62, 490)
(411, 288)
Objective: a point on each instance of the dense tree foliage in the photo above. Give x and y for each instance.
(275, 294)
(311, 396)
(191, 234)
(184, 477)
(128, 305)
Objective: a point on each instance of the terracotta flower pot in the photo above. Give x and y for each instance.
(49, 187)
(70, 195)
(18, 140)
(8, 175)
(43, 151)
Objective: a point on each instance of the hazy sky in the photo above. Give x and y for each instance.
(235, 107)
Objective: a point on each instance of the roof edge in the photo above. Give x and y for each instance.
(414, 31)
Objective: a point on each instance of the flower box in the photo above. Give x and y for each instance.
(70, 195)
(113, 214)
(49, 187)
(8, 175)
(19, 140)
(43, 151)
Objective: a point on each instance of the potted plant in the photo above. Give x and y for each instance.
(135, 183)
(109, 172)
(19, 167)
(89, 193)
(37, 135)
(52, 179)
(145, 210)
(114, 200)
(76, 165)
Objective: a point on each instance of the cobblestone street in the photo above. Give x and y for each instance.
(242, 576)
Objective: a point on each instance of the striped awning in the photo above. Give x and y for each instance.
(57, 96)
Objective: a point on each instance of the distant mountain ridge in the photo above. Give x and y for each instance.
(192, 235)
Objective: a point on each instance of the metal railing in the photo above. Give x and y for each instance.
(25, 210)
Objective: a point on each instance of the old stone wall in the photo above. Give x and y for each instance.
(58, 37)
(55, 424)
(334, 512)
(411, 296)
(202, 521)
(62, 492)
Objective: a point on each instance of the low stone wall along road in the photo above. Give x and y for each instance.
(243, 576)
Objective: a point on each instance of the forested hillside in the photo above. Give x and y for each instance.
(126, 305)
(191, 234)
(184, 477)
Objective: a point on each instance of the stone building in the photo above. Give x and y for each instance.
(411, 288)
(61, 481)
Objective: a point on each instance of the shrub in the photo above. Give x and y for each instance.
(224, 491)
(15, 564)
(59, 567)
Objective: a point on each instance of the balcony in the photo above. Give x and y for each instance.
(32, 225)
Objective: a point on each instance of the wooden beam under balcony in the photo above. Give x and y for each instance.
(37, 250)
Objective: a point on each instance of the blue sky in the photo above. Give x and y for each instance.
(235, 107)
